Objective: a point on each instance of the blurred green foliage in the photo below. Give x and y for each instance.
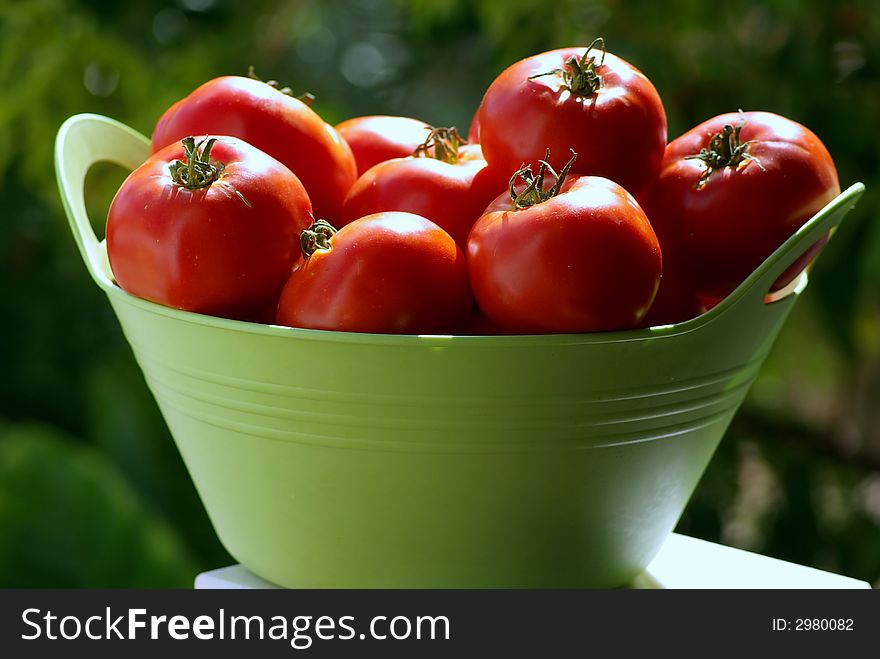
(92, 491)
(92, 529)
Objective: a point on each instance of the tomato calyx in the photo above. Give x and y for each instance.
(316, 237)
(534, 192)
(579, 75)
(306, 97)
(441, 144)
(725, 150)
(198, 170)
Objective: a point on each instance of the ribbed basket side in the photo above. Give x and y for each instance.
(337, 418)
(309, 515)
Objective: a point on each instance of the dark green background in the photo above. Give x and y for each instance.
(92, 491)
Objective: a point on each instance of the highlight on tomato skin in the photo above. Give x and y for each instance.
(580, 258)
(733, 189)
(377, 138)
(274, 122)
(386, 273)
(209, 225)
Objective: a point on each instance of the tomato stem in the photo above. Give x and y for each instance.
(198, 170)
(306, 97)
(316, 237)
(725, 150)
(579, 75)
(441, 144)
(534, 192)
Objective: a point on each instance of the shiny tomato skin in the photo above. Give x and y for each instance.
(387, 273)
(280, 125)
(377, 138)
(717, 233)
(586, 260)
(207, 250)
(450, 195)
(619, 132)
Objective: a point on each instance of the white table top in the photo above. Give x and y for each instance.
(683, 562)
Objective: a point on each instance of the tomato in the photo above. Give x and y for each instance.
(393, 273)
(282, 126)
(579, 257)
(447, 182)
(732, 190)
(376, 139)
(212, 230)
(584, 99)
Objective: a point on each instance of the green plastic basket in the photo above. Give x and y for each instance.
(331, 459)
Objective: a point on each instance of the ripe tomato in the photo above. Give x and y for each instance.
(393, 273)
(282, 126)
(446, 182)
(733, 189)
(212, 230)
(376, 139)
(584, 99)
(579, 257)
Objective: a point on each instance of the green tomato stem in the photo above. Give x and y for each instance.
(534, 192)
(725, 149)
(579, 76)
(306, 97)
(316, 237)
(441, 144)
(197, 171)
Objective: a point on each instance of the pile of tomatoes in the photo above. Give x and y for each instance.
(564, 211)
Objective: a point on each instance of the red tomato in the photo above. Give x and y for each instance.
(450, 185)
(732, 190)
(376, 139)
(579, 98)
(274, 122)
(392, 273)
(580, 257)
(212, 231)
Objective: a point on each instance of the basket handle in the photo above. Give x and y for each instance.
(754, 289)
(82, 141)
